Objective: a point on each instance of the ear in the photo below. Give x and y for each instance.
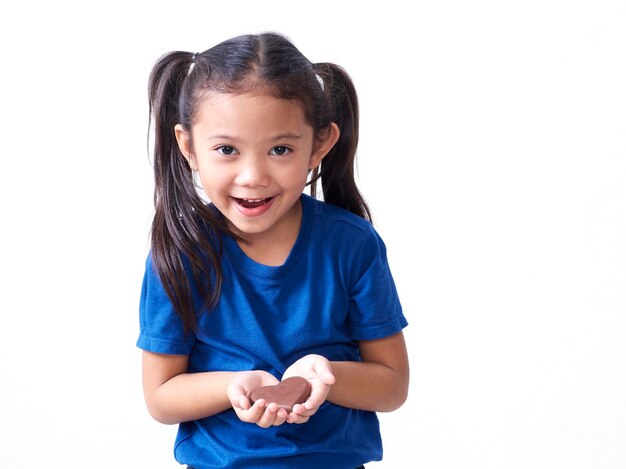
(324, 142)
(184, 144)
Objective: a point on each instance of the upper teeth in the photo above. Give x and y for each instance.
(252, 200)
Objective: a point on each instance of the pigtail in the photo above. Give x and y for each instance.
(184, 228)
(187, 233)
(337, 169)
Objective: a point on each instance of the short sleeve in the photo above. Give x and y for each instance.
(160, 328)
(375, 309)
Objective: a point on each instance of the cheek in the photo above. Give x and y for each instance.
(295, 175)
(294, 182)
(211, 179)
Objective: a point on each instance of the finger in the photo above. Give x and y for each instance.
(236, 395)
(281, 417)
(301, 411)
(268, 417)
(244, 403)
(317, 397)
(254, 413)
(297, 418)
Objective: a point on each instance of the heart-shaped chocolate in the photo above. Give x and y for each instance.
(286, 394)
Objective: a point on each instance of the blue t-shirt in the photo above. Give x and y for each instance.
(334, 289)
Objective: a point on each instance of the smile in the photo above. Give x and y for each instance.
(252, 203)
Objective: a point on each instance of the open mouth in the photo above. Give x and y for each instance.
(252, 203)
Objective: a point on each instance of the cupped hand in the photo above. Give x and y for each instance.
(317, 370)
(263, 414)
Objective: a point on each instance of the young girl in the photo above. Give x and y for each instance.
(264, 282)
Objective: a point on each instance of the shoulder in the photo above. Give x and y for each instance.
(343, 238)
(345, 231)
(338, 220)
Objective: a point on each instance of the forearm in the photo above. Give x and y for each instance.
(190, 396)
(368, 386)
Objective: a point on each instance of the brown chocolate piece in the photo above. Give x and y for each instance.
(287, 393)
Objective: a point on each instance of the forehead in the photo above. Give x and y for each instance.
(228, 108)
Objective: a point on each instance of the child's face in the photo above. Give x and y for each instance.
(253, 154)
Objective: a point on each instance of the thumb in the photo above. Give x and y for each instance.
(324, 371)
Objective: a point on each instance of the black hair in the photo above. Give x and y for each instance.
(186, 232)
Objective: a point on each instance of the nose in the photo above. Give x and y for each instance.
(253, 172)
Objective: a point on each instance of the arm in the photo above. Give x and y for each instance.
(173, 395)
(379, 383)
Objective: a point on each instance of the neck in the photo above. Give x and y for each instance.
(273, 249)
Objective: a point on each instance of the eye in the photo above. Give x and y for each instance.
(280, 150)
(226, 150)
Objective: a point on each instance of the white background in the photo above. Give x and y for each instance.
(493, 155)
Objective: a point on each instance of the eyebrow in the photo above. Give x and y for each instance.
(275, 138)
